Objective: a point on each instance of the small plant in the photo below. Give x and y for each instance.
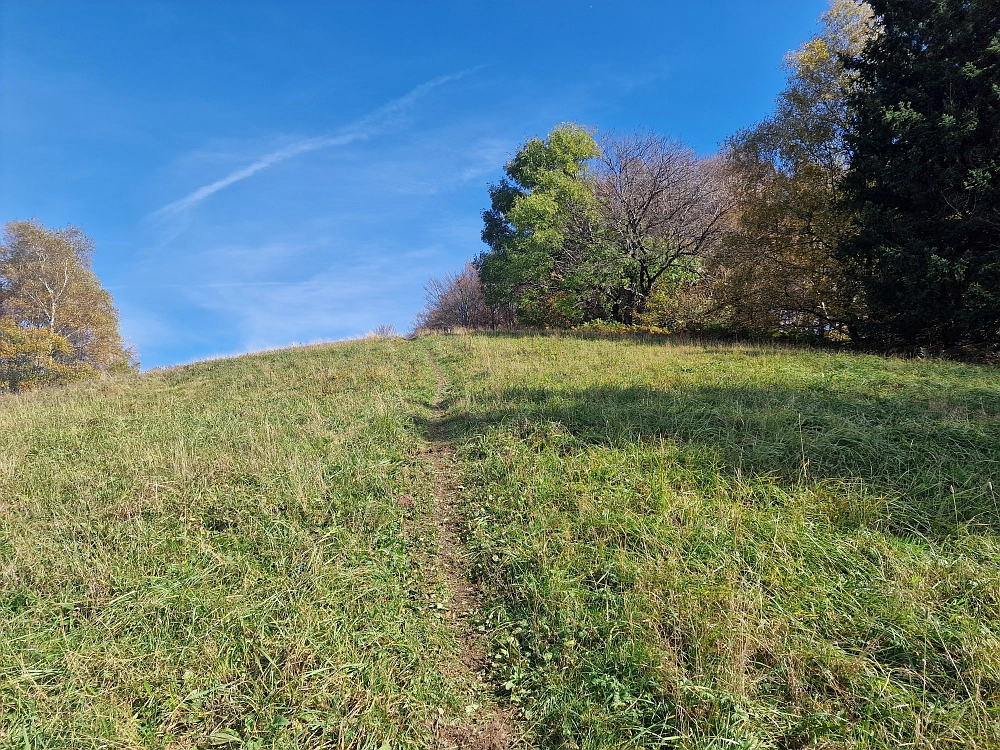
(384, 331)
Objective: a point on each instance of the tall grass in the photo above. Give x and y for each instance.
(217, 556)
(678, 546)
(726, 546)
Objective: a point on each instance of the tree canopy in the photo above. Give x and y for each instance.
(924, 178)
(865, 208)
(580, 230)
(47, 283)
(540, 218)
(33, 357)
(663, 210)
(779, 268)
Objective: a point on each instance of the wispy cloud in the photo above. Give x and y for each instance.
(361, 129)
(328, 304)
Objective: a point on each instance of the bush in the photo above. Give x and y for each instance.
(456, 302)
(32, 357)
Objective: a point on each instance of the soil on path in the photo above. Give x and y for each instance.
(486, 726)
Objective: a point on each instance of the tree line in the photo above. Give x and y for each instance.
(57, 323)
(866, 208)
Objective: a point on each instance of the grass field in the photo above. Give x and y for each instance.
(734, 547)
(694, 546)
(215, 555)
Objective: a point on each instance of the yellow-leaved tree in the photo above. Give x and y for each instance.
(779, 268)
(32, 357)
(47, 283)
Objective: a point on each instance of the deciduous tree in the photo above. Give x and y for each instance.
(539, 226)
(579, 232)
(663, 210)
(456, 301)
(32, 357)
(47, 281)
(779, 268)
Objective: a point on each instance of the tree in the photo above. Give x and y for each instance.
(47, 282)
(779, 268)
(662, 211)
(579, 232)
(32, 357)
(538, 227)
(924, 179)
(457, 301)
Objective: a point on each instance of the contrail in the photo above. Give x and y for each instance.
(358, 130)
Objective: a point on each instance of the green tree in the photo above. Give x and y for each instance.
(925, 174)
(47, 281)
(779, 267)
(540, 225)
(579, 231)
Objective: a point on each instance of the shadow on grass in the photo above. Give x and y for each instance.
(936, 463)
(723, 341)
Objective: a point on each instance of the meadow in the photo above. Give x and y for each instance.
(689, 545)
(216, 556)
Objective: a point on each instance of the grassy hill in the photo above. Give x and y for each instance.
(674, 546)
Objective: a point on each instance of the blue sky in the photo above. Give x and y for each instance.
(257, 174)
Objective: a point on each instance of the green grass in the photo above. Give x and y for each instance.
(215, 556)
(725, 546)
(690, 546)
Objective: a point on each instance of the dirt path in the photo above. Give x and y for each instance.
(486, 727)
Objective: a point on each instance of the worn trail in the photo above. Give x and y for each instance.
(485, 725)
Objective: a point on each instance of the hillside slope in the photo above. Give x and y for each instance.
(705, 546)
(690, 546)
(223, 554)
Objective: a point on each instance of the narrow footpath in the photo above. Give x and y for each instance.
(486, 726)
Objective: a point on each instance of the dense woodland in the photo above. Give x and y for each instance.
(865, 209)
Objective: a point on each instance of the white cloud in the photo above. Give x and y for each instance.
(329, 304)
(359, 130)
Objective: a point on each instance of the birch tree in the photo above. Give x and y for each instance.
(47, 281)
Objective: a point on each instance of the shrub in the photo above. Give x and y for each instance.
(31, 357)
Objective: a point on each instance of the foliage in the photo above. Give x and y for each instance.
(779, 269)
(579, 232)
(47, 282)
(925, 174)
(733, 546)
(540, 220)
(457, 302)
(32, 357)
(662, 211)
(681, 300)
